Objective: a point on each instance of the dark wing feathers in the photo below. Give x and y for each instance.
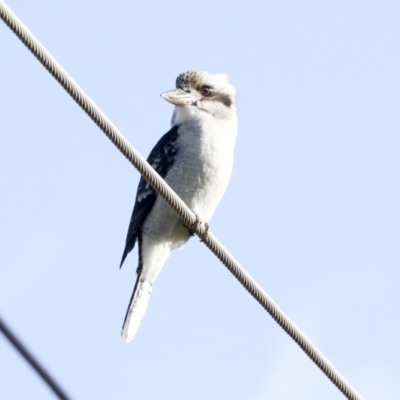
(161, 158)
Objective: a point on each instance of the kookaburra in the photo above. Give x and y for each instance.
(195, 157)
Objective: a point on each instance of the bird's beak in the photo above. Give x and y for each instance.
(179, 97)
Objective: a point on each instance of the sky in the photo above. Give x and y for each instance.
(312, 209)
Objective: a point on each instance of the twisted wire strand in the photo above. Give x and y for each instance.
(187, 216)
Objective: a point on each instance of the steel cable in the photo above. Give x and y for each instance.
(187, 216)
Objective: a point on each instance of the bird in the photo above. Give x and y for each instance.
(195, 157)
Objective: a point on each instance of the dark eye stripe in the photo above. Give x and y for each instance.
(223, 98)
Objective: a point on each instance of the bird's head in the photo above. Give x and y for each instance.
(199, 92)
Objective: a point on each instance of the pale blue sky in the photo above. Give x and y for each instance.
(312, 210)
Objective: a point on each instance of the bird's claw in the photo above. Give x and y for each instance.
(205, 233)
(204, 227)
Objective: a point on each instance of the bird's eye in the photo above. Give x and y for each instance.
(206, 91)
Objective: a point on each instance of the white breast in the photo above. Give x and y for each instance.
(200, 176)
(204, 164)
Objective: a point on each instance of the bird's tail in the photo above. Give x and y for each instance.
(137, 308)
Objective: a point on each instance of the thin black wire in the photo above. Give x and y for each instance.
(30, 359)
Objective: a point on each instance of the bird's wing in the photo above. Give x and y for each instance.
(161, 158)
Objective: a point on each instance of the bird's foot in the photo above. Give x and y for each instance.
(203, 226)
(205, 232)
